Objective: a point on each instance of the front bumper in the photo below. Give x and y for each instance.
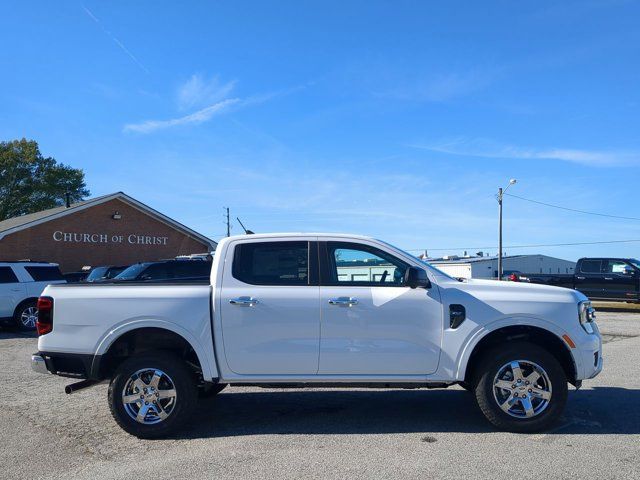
(589, 352)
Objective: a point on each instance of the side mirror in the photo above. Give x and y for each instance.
(416, 278)
(628, 270)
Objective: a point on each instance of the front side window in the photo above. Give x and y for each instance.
(272, 263)
(361, 265)
(43, 274)
(7, 275)
(615, 266)
(590, 266)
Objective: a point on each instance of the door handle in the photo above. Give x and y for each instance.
(15, 290)
(244, 301)
(608, 278)
(580, 278)
(344, 301)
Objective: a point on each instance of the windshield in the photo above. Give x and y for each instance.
(132, 272)
(96, 274)
(635, 263)
(437, 270)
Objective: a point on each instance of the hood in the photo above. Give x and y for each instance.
(491, 299)
(521, 291)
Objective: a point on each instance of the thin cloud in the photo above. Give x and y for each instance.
(199, 91)
(207, 113)
(489, 149)
(200, 116)
(115, 39)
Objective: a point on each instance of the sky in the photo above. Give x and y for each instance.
(395, 119)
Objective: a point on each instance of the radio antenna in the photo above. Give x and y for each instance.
(248, 232)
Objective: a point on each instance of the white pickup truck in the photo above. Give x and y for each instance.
(319, 310)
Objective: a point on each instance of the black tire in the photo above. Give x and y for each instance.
(184, 383)
(489, 366)
(25, 308)
(210, 390)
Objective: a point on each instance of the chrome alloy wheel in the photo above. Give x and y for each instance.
(522, 389)
(149, 396)
(28, 317)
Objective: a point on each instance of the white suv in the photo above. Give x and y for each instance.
(21, 283)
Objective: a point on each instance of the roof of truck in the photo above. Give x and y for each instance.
(301, 234)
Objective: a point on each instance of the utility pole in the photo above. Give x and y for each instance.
(500, 233)
(228, 222)
(500, 196)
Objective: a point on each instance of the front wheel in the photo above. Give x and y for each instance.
(152, 395)
(521, 388)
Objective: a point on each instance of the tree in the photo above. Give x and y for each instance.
(30, 182)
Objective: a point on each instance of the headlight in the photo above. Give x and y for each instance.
(586, 315)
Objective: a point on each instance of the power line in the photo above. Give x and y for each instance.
(571, 209)
(527, 246)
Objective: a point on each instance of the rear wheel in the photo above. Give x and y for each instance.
(152, 395)
(26, 315)
(521, 388)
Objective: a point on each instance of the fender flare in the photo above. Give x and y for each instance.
(525, 321)
(209, 369)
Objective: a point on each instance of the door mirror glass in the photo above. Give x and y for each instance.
(416, 278)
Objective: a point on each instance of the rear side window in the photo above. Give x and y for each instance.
(44, 274)
(7, 275)
(272, 263)
(591, 266)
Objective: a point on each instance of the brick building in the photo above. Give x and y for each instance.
(109, 230)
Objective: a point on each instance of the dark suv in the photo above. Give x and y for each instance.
(166, 270)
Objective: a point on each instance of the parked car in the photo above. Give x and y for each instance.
(74, 277)
(313, 310)
(104, 273)
(598, 278)
(21, 283)
(165, 270)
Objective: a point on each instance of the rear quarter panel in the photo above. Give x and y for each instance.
(89, 318)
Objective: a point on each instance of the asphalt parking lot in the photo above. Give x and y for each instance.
(323, 433)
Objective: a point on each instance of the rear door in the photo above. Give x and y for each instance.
(42, 276)
(12, 291)
(589, 279)
(269, 307)
(372, 324)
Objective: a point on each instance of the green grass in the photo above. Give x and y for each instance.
(616, 307)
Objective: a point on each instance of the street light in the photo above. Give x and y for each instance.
(501, 193)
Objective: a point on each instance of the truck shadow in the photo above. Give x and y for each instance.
(602, 410)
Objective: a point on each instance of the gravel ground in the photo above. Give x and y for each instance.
(323, 433)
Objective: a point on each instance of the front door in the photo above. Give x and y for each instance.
(372, 324)
(618, 284)
(269, 306)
